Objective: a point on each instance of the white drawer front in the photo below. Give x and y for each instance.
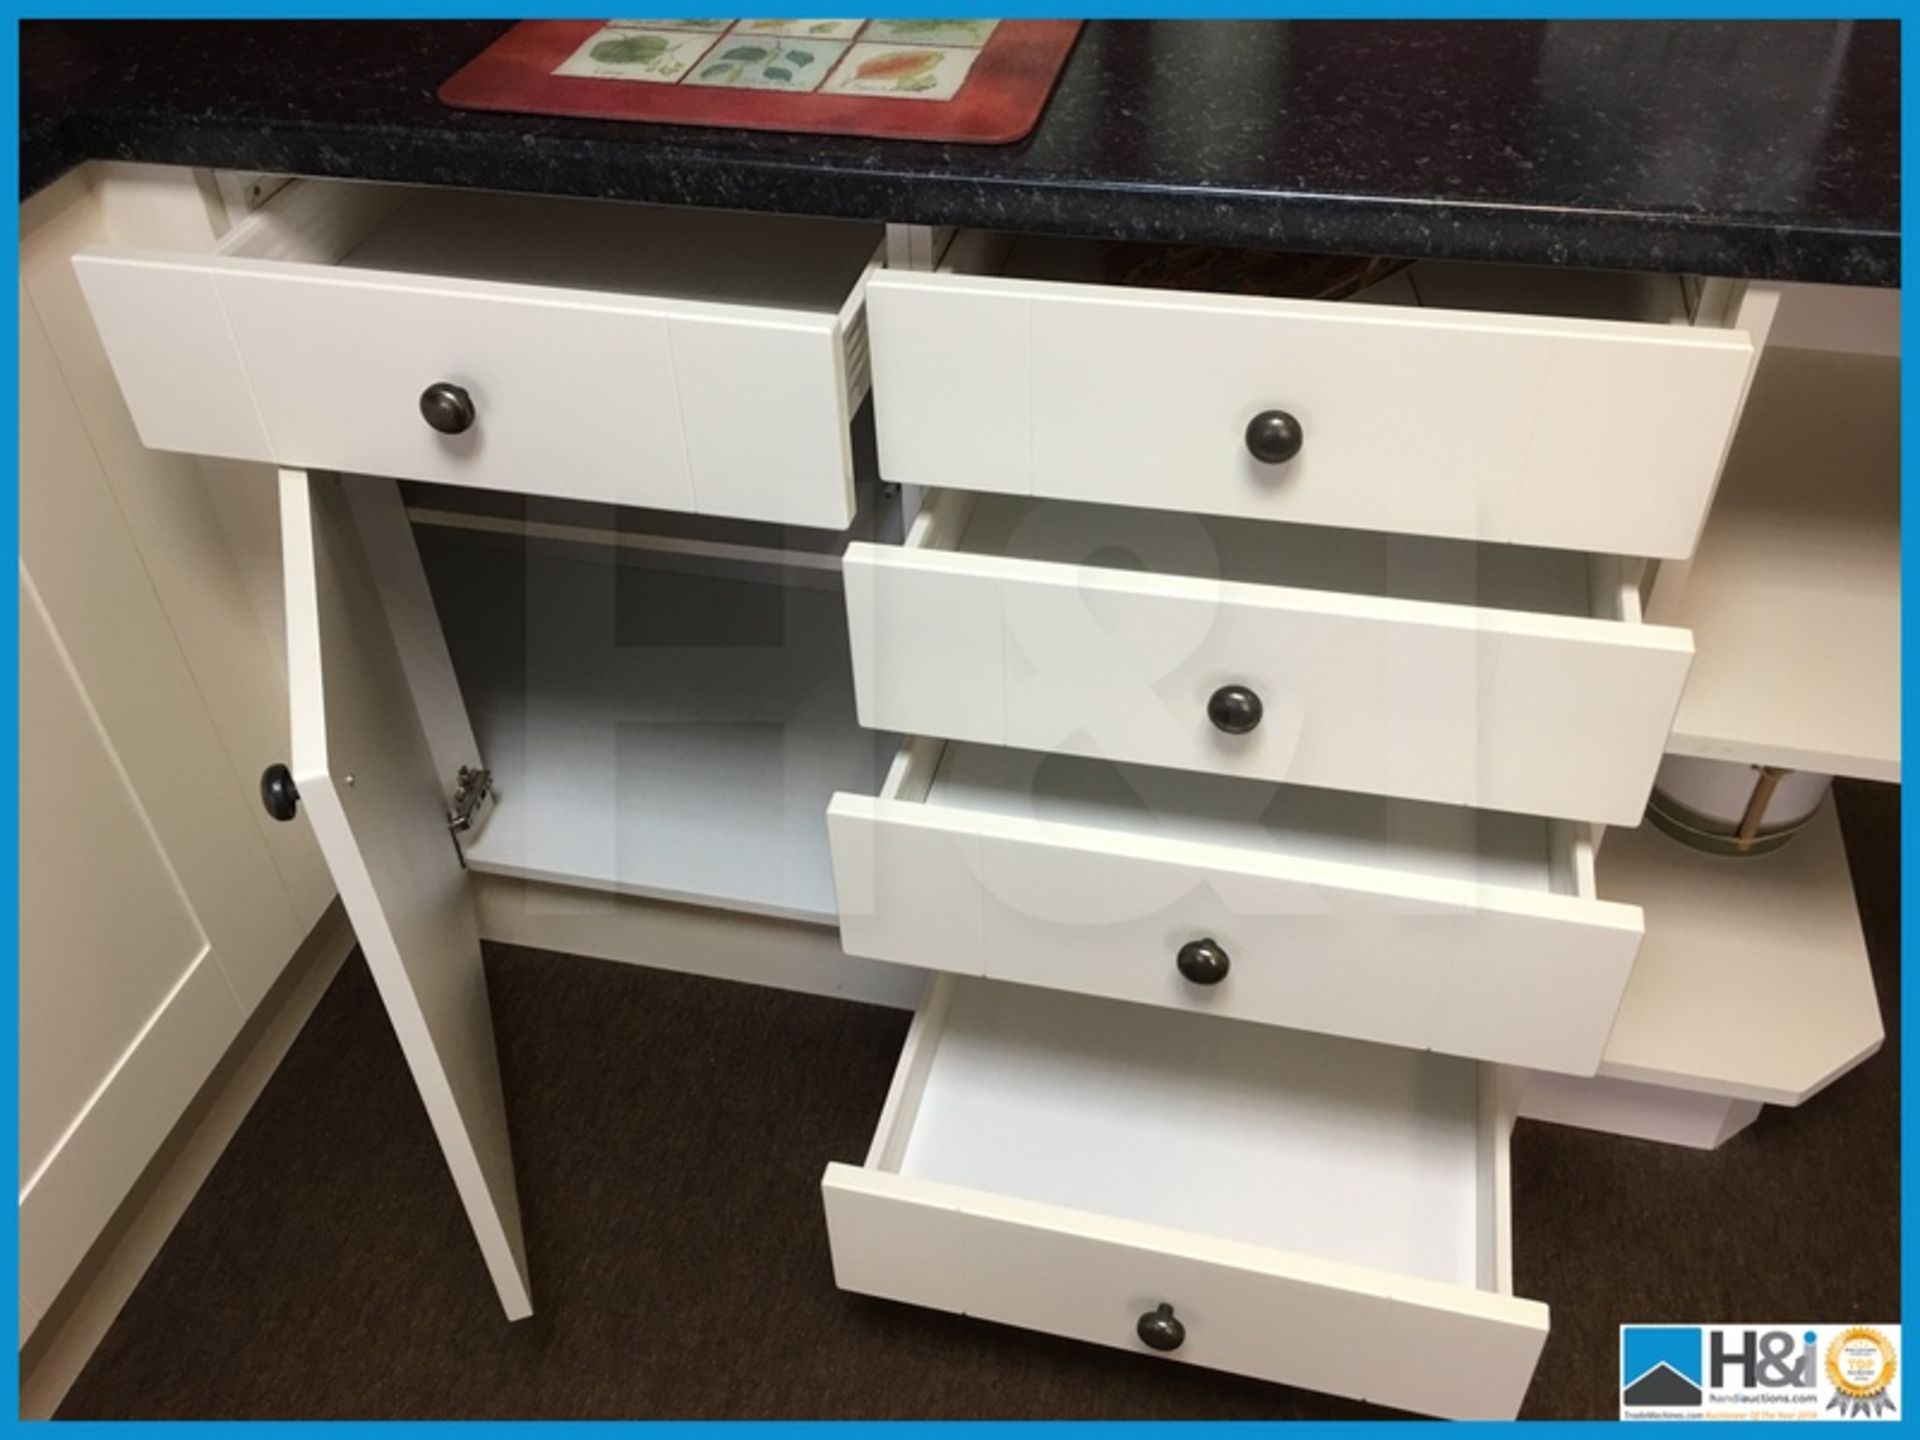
(337, 366)
(1464, 967)
(179, 371)
(273, 351)
(1434, 1349)
(1401, 1340)
(1580, 434)
(605, 400)
(1498, 710)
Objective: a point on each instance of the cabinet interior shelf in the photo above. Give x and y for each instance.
(665, 723)
(1793, 596)
(1753, 979)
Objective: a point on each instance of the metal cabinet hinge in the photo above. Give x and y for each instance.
(473, 788)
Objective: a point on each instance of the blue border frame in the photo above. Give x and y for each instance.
(1116, 9)
(1015, 9)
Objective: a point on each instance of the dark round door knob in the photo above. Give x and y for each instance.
(1203, 962)
(1234, 709)
(277, 792)
(1274, 437)
(447, 408)
(1159, 1330)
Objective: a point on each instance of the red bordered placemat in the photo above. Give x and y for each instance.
(979, 82)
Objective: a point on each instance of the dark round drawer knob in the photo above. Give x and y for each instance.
(277, 792)
(1234, 709)
(447, 408)
(1203, 962)
(1274, 437)
(1159, 1330)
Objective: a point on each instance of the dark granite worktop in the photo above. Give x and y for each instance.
(1732, 148)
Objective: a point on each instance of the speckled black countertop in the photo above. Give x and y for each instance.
(1730, 148)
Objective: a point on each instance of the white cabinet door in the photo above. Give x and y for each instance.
(124, 1005)
(153, 917)
(369, 785)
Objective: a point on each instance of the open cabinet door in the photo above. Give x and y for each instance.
(366, 775)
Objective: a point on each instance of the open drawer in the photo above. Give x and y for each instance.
(1541, 408)
(677, 359)
(1417, 925)
(1300, 1209)
(1497, 677)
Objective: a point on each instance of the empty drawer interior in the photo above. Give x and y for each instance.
(1405, 837)
(1444, 285)
(1359, 1154)
(656, 251)
(1348, 562)
(665, 702)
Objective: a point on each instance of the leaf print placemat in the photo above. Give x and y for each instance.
(981, 82)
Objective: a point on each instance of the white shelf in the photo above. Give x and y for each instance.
(1753, 980)
(1794, 593)
(657, 725)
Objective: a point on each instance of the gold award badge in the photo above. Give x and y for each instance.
(1861, 1365)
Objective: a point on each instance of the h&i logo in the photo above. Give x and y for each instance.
(1759, 1372)
(1659, 1366)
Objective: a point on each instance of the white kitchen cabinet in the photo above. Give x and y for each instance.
(1192, 737)
(646, 750)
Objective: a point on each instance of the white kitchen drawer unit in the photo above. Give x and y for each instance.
(670, 358)
(1497, 677)
(1301, 1209)
(1579, 412)
(1426, 926)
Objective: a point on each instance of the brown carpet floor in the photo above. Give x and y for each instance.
(670, 1134)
